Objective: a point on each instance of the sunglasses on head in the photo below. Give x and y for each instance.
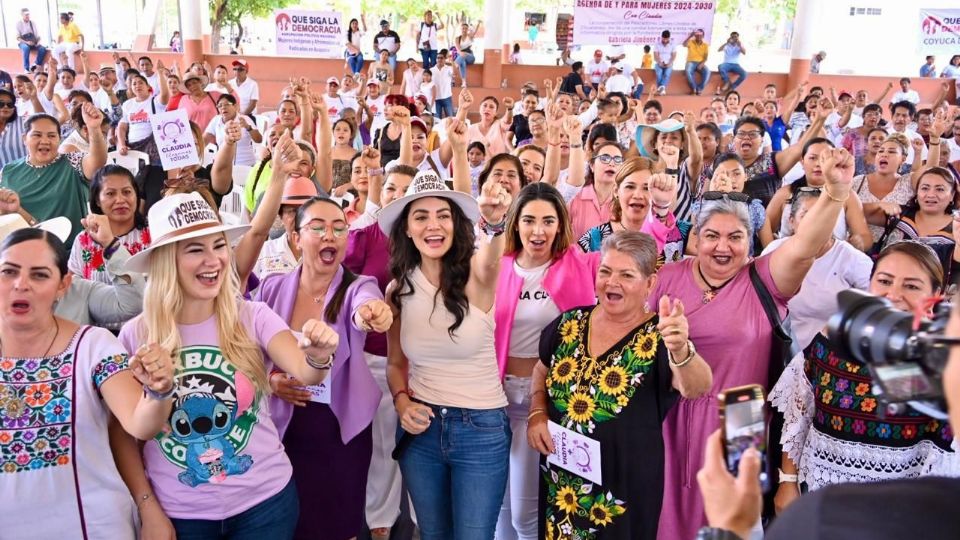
(805, 189)
(733, 196)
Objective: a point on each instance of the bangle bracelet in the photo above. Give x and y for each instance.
(691, 352)
(787, 478)
(319, 365)
(142, 499)
(493, 229)
(834, 199)
(401, 391)
(535, 392)
(575, 146)
(153, 394)
(534, 412)
(674, 172)
(375, 172)
(934, 143)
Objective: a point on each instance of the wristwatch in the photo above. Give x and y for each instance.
(713, 533)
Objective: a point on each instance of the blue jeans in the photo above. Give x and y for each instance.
(443, 105)
(638, 91)
(41, 54)
(725, 71)
(692, 71)
(274, 518)
(456, 472)
(355, 61)
(429, 58)
(663, 75)
(464, 60)
(392, 60)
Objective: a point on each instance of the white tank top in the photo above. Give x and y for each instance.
(459, 371)
(535, 309)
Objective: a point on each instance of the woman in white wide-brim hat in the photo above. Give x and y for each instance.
(442, 367)
(220, 457)
(675, 149)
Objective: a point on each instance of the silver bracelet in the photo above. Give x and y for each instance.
(319, 365)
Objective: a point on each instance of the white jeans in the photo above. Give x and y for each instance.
(68, 48)
(518, 514)
(383, 479)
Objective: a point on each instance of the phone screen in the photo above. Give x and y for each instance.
(902, 381)
(745, 426)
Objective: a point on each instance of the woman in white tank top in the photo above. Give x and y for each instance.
(442, 368)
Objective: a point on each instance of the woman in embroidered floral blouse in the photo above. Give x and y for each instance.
(617, 398)
(114, 194)
(832, 433)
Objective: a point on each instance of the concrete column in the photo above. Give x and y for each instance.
(148, 24)
(804, 44)
(190, 14)
(493, 43)
(205, 29)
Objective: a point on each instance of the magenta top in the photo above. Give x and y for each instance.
(569, 281)
(733, 336)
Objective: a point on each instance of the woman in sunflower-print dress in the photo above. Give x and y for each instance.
(618, 397)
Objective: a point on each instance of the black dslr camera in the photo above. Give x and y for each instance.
(907, 365)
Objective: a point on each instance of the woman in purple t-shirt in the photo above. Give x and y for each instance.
(723, 308)
(218, 469)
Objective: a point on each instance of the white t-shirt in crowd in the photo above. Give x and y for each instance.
(217, 87)
(443, 79)
(335, 106)
(426, 89)
(154, 81)
(136, 114)
(666, 51)
(101, 100)
(620, 82)
(954, 150)
(518, 106)
(247, 90)
(841, 268)
(596, 70)
(412, 81)
(378, 109)
(910, 95)
(533, 307)
(244, 152)
(912, 136)
(275, 258)
(428, 33)
(425, 165)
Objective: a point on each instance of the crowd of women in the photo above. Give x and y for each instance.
(551, 273)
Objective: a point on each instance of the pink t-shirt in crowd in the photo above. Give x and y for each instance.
(203, 112)
(220, 455)
(586, 212)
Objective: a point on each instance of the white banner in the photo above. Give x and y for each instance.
(939, 31)
(315, 34)
(635, 22)
(175, 142)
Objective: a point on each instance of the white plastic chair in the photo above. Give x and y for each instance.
(131, 161)
(240, 174)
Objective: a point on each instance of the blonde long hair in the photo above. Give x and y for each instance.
(163, 300)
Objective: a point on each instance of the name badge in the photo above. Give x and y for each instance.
(320, 393)
(575, 453)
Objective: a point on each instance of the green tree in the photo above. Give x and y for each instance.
(230, 12)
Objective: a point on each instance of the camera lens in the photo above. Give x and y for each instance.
(870, 329)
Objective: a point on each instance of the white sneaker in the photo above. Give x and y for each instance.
(661, 91)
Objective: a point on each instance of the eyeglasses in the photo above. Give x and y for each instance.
(607, 159)
(339, 231)
(239, 69)
(733, 196)
(7, 105)
(749, 134)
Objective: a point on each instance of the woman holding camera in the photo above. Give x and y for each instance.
(832, 431)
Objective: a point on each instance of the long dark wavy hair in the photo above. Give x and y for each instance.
(455, 264)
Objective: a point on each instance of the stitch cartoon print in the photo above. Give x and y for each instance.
(213, 418)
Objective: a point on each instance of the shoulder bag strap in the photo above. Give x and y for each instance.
(766, 300)
(433, 165)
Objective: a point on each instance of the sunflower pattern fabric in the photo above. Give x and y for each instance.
(618, 398)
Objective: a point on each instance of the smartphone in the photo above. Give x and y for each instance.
(744, 425)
